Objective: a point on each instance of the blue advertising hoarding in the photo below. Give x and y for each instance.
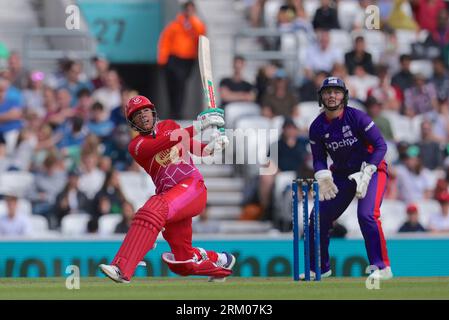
(266, 258)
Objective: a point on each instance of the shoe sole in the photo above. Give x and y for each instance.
(231, 265)
(111, 276)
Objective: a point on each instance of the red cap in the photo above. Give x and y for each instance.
(443, 196)
(137, 103)
(412, 208)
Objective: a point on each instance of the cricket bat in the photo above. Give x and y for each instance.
(207, 81)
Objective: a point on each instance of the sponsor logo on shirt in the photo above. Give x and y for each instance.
(335, 145)
(346, 131)
(167, 156)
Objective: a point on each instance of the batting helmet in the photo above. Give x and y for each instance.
(333, 82)
(137, 103)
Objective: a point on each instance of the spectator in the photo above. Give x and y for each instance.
(58, 111)
(4, 160)
(321, 56)
(308, 90)
(299, 21)
(413, 180)
(359, 56)
(71, 199)
(72, 136)
(117, 115)
(326, 16)
(280, 99)
(374, 110)
(404, 78)
(439, 222)
(440, 79)
(390, 54)
(72, 81)
(426, 13)
(439, 38)
(116, 148)
(361, 82)
(339, 70)
(17, 74)
(264, 78)
(429, 146)
(256, 13)
(178, 50)
(110, 198)
(101, 67)
(99, 123)
(45, 146)
(22, 155)
(421, 98)
(85, 101)
(91, 178)
(236, 88)
(384, 91)
(128, 214)
(360, 14)
(34, 93)
(14, 223)
(412, 224)
(292, 156)
(48, 183)
(10, 116)
(110, 94)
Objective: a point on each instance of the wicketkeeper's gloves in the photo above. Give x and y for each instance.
(328, 189)
(362, 178)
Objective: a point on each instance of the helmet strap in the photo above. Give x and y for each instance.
(142, 130)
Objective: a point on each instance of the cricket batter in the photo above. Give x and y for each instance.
(162, 148)
(357, 149)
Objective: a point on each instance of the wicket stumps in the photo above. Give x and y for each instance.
(306, 186)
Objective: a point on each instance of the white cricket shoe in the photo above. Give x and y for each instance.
(381, 274)
(113, 273)
(229, 264)
(327, 274)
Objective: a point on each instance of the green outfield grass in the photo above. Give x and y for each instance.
(233, 288)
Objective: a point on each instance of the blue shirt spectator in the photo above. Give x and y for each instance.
(99, 124)
(10, 108)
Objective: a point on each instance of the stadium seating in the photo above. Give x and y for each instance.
(282, 183)
(340, 39)
(238, 110)
(16, 182)
(39, 225)
(423, 67)
(107, 224)
(405, 40)
(75, 224)
(307, 112)
(137, 187)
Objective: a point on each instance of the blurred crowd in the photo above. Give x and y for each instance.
(388, 90)
(69, 132)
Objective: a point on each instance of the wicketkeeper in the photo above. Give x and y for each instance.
(163, 149)
(357, 149)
